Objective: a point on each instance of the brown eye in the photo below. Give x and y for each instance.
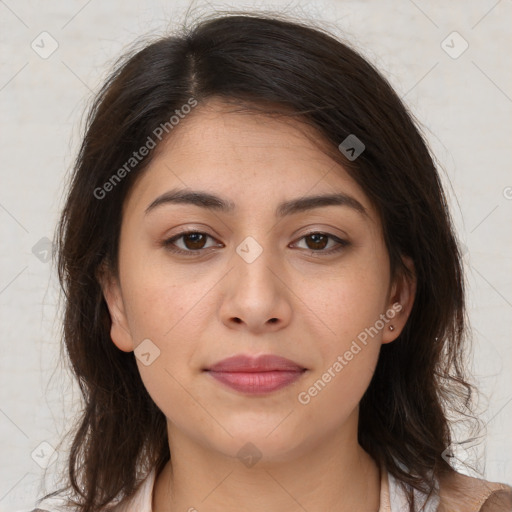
(192, 242)
(319, 242)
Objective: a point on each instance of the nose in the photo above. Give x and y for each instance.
(257, 297)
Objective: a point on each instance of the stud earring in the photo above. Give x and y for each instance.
(391, 328)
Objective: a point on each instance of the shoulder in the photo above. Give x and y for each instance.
(140, 501)
(461, 493)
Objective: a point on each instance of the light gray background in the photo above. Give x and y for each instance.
(463, 104)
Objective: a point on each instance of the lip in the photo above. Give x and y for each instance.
(256, 375)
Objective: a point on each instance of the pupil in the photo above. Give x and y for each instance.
(197, 240)
(315, 238)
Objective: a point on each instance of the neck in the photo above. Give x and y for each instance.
(330, 475)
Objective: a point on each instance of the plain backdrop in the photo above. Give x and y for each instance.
(448, 60)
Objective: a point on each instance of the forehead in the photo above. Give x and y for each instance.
(251, 158)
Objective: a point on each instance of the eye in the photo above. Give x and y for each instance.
(194, 242)
(318, 241)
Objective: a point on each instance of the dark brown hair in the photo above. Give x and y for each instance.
(270, 64)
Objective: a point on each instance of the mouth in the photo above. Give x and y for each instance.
(259, 375)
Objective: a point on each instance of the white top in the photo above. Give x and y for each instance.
(392, 498)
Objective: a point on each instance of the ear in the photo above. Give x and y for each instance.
(401, 300)
(119, 330)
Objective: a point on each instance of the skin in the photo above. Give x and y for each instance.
(203, 308)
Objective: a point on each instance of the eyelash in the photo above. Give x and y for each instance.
(168, 244)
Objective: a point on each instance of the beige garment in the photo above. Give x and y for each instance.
(458, 493)
(461, 493)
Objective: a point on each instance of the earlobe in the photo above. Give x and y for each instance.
(119, 330)
(401, 301)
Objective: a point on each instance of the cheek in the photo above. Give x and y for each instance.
(350, 308)
(174, 321)
(349, 303)
(161, 299)
(332, 395)
(171, 318)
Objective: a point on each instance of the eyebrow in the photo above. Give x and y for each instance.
(216, 203)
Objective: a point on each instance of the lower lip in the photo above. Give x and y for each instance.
(257, 383)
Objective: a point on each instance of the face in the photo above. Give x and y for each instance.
(309, 282)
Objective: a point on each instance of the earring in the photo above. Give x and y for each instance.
(391, 328)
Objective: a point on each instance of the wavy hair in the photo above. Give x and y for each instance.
(278, 66)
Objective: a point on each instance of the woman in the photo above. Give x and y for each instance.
(264, 292)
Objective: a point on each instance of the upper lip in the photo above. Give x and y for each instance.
(250, 364)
